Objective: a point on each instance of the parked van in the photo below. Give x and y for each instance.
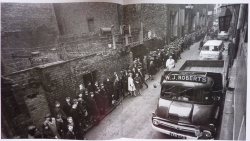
(190, 102)
(212, 50)
(223, 35)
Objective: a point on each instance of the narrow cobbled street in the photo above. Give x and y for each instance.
(132, 118)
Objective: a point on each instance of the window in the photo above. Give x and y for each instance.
(187, 94)
(205, 48)
(91, 24)
(216, 48)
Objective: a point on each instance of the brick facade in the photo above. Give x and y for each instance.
(51, 29)
(155, 18)
(73, 17)
(26, 28)
(49, 42)
(41, 86)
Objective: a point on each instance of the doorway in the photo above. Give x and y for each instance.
(89, 77)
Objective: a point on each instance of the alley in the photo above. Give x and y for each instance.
(132, 118)
(67, 70)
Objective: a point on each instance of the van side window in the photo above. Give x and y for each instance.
(216, 48)
(205, 48)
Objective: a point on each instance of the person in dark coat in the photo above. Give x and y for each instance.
(90, 87)
(142, 75)
(87, 114)
(47, 133)
(104, 96)
(50, 128)
(76, 117)
(92, 108)
(138, 83)
(61, 125)
(117, 87)
(145, 64)
(84, 97)
(109, 89)
(70, 133)
(139, 63)
(162, 57)
(121, 83)
(96, 86)
(99, 101)
(126, 81)
(83, 113)
(67, 106)
(201, 44)
(33, 132)
(59, 111)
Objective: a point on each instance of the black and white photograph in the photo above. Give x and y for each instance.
(106, 70)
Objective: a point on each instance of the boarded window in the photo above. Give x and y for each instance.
(91, 24)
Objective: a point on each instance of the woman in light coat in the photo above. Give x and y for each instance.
(131, 85)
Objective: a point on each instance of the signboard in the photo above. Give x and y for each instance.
(190, 78)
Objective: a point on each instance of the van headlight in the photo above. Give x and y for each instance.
(198, 133)
(207, 134)
(155, 122)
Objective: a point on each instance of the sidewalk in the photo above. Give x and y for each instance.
(233, 125)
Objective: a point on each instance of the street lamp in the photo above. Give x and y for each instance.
(225, 19)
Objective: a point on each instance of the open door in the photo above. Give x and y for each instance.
(89, 77)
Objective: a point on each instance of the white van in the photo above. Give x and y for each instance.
(212, 50)
(223, 35)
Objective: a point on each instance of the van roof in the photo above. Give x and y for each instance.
(213, 43)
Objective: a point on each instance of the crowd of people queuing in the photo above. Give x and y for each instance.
(72, 118)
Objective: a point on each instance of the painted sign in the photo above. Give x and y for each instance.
(190, 78)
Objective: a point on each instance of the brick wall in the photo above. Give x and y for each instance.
(42, 85)
(30, 98)
(63, 79)
(26, 28)
(153, 16)
(82, 46)
(73, 17)
(131, 15)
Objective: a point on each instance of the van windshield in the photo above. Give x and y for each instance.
(187, 94)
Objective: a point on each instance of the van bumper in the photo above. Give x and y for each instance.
(174, 134)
